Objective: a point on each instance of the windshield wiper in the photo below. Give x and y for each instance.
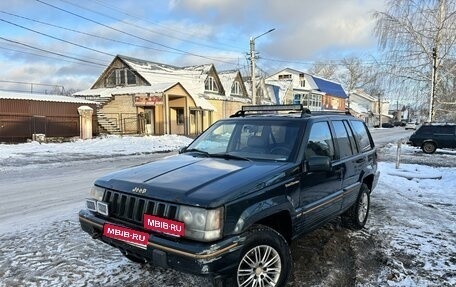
(197, 151)
(228, 156)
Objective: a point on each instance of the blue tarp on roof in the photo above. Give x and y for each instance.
(330, 88)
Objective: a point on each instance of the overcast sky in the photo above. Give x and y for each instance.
(85, 35)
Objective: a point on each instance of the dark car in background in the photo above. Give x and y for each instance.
(229, 205)
(430, 137)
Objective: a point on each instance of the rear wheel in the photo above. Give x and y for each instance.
(356, 216)
(429, 147)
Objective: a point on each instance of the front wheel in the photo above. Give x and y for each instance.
(265, 259)
(356, 216)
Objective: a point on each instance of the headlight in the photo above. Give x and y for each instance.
(94, 202)
(202, 224)
(97, 193)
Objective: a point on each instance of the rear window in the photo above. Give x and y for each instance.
(362, 136)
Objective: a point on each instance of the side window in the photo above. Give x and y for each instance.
(342, 139)
(362, 136)
(320, 141)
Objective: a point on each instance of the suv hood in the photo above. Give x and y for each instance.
(205, 181)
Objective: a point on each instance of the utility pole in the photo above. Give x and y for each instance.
(252, 60)
(433, 80)
(379, 111)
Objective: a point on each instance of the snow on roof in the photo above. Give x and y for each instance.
(363, 94)
(109, 92)
(152, 89)
(191, 77)
(358, 108)
(42, 97)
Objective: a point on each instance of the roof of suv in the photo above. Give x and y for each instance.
(293, 111)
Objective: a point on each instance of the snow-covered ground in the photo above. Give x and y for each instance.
(410, 238)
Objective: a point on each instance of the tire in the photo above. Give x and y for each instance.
(429, 147)
(356, 216)
(265, 259)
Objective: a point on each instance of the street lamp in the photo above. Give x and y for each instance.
(252, 59)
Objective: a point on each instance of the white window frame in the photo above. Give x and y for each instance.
(210, 84)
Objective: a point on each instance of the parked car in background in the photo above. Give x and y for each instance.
(387, 125)
(430, 137)
(231, 202)
(410, 126)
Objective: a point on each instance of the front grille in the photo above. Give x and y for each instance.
(131, 207)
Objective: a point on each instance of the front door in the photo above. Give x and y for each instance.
(321, 191)
(149, 118)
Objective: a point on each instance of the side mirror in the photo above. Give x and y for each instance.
(319, 163)
(182, 149)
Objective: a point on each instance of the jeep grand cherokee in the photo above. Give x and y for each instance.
(231, 202)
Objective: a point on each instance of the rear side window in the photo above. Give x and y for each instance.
(343, 141)
(362, 135)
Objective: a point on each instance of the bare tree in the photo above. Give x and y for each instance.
(417, 37)
(351, 72)
(327, 70)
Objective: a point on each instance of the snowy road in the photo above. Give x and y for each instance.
(410, 237)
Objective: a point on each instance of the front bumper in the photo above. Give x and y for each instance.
(198, 258)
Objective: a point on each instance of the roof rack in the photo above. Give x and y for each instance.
(271, 109)
(275, 109)
(346, 112)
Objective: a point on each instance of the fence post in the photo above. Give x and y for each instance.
(85, 120)
(398, 155)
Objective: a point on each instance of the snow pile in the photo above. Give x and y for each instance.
(26, 154)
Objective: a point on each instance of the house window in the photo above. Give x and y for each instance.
(302, 81)
(131, 78)
(180, 116)
(236, 88)
(120, 77)
(312, 102)
(285, 77)
(210, 84)
(297, 99)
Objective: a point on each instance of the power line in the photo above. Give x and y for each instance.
(39, 55)
(137, 26)
(56, 38)
(130, 34)
(91, 35)
(51, 52)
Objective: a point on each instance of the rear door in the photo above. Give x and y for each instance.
(350, 159)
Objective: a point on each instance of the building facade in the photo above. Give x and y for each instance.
(139, 96)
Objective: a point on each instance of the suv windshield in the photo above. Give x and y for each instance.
(251, 139)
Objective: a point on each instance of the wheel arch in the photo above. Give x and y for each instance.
(271, 213)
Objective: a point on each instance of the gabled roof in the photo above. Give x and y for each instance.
(330, 88)
(228, 77)
(364, 95)
(191, 77)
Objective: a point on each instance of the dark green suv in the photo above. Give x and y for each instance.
(430, 137)
(231, 202)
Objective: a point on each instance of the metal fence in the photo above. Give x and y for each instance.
(20, 128)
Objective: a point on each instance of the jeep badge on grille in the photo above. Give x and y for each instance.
(139, 190)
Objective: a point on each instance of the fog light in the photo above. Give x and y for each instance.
(102, 208)
(91, 205)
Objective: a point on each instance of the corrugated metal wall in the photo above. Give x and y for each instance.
(20, 119)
